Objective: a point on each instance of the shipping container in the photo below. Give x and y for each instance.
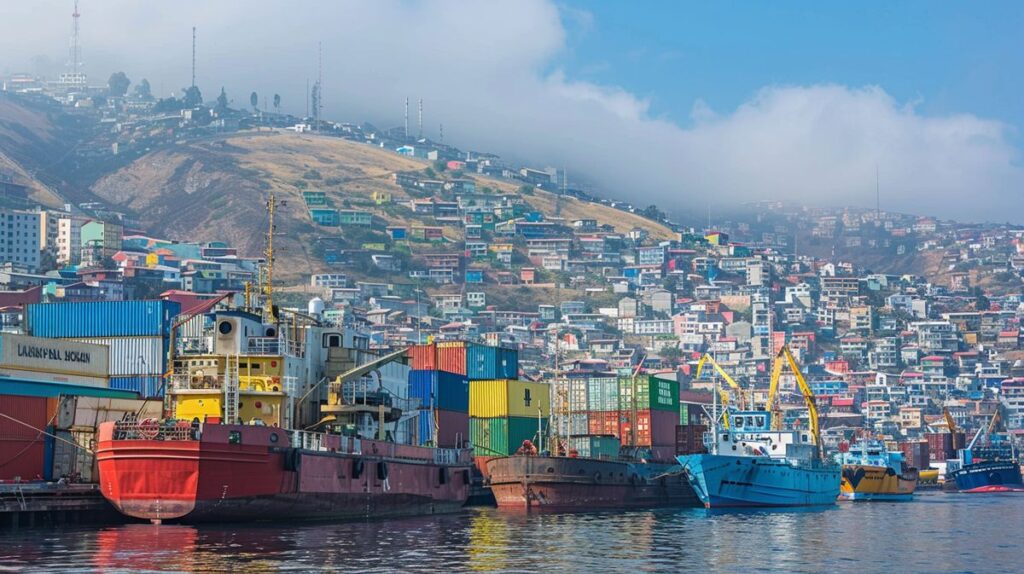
(451, 357)
(22, 446)
(440, 390)
(451, 428)
(651, 393)
(133, 355)
(485, 363)
(652, 427)
(603, 422)
(147, 386)
(502, 436)
(72, 455)
(508, 363)
(690, 439)
(916, 454)
(940, 445)
(151, 318)
(603, 446)
(86, 413)
(602, 394)
(504, 398)
(51, 356)
(423, 357)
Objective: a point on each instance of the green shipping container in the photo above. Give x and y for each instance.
(684, 414)
(501, 436)
(665, 395)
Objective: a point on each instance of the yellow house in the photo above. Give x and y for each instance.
(380, 197)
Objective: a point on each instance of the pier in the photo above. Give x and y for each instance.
(51, 504)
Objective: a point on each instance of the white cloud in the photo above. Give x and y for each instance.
(489, 73)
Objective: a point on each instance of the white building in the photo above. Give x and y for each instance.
(69, 239)
(19, 238)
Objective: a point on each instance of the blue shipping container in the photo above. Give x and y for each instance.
(440, 389)
(486, 363)
(425, 428)
(148, 386)
(101, 319)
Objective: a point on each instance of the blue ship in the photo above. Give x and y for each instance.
(754, 466)
(988, 469)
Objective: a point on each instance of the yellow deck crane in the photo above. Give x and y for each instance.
(954, 432)
(724, 394)
(785, 356)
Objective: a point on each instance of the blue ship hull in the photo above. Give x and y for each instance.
(995, 476)
(748, 481)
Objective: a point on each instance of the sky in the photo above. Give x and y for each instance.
(683, 104)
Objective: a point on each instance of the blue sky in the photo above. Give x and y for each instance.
(948, 57)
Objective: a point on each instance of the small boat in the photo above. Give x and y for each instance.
(871, 472)
(569, 483)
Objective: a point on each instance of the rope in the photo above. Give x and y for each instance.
(41, 431)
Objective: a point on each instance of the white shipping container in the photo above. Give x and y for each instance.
(133, 355)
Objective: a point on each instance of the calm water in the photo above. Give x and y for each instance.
(935, 533)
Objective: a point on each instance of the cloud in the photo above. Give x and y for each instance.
(490, 73)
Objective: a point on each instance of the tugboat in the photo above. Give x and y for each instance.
(750, 464)
(871, 472)
(991, 468)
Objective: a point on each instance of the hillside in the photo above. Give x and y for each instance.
(26, 134)
(216, 189)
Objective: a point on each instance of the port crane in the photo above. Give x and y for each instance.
(785, 357)
(953, 430)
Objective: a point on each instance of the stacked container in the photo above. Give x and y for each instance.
(649, 411)
(444, 403)
(506, 412)
(916, 454)
(137, 334)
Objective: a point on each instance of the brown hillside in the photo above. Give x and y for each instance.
(216, 189)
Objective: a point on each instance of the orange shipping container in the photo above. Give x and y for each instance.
(451, 357)
(424, 357)
(603, 422)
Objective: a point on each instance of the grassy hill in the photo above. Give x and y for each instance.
(216, 189)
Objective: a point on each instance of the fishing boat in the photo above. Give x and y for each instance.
(872, 472)
(570, 483)
(751, 464)
(992, 467)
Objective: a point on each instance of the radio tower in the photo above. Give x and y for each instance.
(193, 56)
(320, 85)
(420, 136)
(74, 41)
(405, 134)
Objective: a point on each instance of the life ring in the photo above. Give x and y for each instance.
(357, 467)
(149, 428)
(382, 470)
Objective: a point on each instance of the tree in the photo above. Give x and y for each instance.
(440, 165)
(254, 101)
(277, 102)
(193, 97)
(143, 91)
(118, 83)
(167, 105)
(222, 100)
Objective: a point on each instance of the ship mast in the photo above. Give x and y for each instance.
(268, 283)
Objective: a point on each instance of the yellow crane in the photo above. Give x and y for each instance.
(785, 356)
(722, 393)
(953, 430)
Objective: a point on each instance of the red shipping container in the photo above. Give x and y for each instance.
(452, 429)
(424, 357)
(22, 448)
(653, 427)
(690, 439)
(603, 422)
(663, 427)
(451, 357)
(916, 454)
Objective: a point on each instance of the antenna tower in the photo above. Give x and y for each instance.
(319, 85)
(193, 56)
(268, 283)
(405, 134)
(420, 136)
(74, 41)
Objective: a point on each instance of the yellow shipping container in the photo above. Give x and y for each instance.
(509, 398)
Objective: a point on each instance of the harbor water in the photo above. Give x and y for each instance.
(934, 533)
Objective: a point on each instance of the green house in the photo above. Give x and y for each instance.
(355, 217)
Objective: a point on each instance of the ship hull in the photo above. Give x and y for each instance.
(212, 480)
(866, 482)
(723, 481)
(565, 484)
(987, 477)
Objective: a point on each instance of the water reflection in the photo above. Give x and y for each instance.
(935, 533)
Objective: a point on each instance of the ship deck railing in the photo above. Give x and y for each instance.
(320, 442)
(151, 429)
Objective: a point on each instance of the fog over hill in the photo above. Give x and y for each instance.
(490, 74)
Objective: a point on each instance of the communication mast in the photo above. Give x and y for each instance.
(193, 56)
(319, 85)
(74, 41)
(420, 136)
(405, 134)
(268, 283)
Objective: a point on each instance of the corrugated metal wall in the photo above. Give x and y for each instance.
(101, 319)
(22, 449)
(134, 355)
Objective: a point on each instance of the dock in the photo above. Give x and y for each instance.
(52, 504)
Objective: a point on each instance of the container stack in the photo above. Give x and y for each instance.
(940, 445)
(505, 412)
(916, 454)
(650, 411)
(137, 334)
